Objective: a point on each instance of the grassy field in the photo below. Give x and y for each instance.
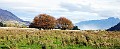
(58, 39)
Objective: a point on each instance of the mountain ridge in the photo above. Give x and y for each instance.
(98, 24)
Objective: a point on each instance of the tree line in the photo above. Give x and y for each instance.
(44, 21)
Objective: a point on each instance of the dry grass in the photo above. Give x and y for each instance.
(19, 38)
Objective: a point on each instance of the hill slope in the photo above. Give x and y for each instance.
(115, 28)
(8, 16)
(98, 24)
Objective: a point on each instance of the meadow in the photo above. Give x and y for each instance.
(17, 38)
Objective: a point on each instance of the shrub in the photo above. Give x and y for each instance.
(1, 24)
(75, 28)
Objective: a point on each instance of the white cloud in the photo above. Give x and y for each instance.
(76, 10)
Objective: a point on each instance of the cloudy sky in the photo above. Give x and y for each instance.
(75, 10)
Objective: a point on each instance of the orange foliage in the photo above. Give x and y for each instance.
(64, 23)
(44, 21)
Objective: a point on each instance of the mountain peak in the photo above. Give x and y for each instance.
(112, 18)
(7, 16)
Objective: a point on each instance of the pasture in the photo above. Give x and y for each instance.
(26, 38)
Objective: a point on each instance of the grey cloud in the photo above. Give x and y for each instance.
(106, 13)
(70, 7)
(87, 8)
(76, 7)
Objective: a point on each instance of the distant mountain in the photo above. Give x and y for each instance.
(98, 24)
(8, 16)
(115, 28)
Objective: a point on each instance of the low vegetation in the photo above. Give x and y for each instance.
(58, 39)
(12, 24)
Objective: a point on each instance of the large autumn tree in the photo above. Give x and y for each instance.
(64, 23)
(44, 21)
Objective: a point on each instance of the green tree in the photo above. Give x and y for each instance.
(1, 24)
(75, 28)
